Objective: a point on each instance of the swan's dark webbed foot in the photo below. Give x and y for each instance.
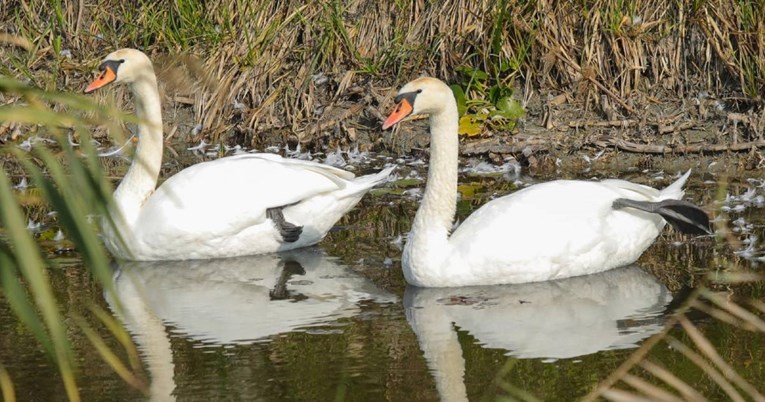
(289, 231)
(682, 215)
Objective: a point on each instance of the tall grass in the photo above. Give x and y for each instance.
(637, 376)
(258, 58)
(72, 183)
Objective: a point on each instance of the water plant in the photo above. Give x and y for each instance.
(72, 184)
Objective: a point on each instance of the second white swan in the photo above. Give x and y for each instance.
(239, 205)
(547, 231)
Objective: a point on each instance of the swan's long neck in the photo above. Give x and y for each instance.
(141, 179)
(428, 243)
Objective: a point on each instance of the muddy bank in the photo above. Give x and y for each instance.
(716, 134)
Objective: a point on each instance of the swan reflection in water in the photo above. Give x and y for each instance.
(231, 301)
(550, 320)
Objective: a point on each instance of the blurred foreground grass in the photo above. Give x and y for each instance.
(73, 185)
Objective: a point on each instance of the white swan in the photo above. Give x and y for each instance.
(239, 205)
(547, 231)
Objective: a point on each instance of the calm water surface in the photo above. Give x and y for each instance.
(337, 321)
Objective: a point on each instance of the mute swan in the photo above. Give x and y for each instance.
(238, 205)
(547, 231)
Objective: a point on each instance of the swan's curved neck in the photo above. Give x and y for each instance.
(440, 197)
(428, 242)
(141, 179)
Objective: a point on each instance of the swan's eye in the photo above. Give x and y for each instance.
(419, 91)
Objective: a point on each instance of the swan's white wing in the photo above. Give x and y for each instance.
(555, 224)
(537, 216)
(632, 190)
(227, 195)
(644, 193)
(330, 172)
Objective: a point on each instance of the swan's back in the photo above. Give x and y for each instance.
(552, 228)
(233, 191)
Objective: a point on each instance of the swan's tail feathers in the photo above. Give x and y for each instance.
(376, 178)
(289, 231)
(682, 215)
(364, 183)
(675, 190)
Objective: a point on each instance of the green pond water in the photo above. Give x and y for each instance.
(337, 321)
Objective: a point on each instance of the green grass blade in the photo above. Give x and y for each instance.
(6, 385)
(32, 267)
(68, 197)
(109, 357)
(19, 301)
(119, 332)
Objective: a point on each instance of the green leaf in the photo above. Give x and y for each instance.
(378, 192)
(404, 183)
(509, 108)
(494, 94)
(459, 96)
(468, 190)
(473, 74)
(471, 125)
(497, 92)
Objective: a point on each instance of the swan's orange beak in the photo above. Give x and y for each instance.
(107, 75)
(403, 109)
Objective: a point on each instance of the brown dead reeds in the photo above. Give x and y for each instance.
(280, 64)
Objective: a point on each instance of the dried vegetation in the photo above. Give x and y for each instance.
(326, 71)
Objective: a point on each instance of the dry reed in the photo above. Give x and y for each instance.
(281, 65)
